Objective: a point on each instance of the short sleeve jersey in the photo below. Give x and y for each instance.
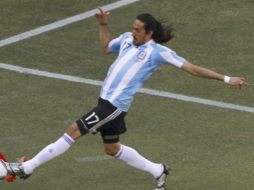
(133, 66)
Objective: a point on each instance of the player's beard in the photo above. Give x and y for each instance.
(136, 43)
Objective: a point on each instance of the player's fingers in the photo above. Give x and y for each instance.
(103, 12)
(100, 9)
(97, 15)
(242, 83)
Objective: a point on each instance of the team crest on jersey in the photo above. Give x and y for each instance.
(141, 55)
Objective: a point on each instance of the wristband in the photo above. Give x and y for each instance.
(226, 79)
(104, 24)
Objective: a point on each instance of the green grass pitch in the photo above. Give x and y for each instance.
(208, 148)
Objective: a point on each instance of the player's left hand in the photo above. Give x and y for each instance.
(237, 81)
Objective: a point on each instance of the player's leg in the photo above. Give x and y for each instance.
(132, 158)
(89, 123)
(110, 135)
(25, 169)
(54, 149)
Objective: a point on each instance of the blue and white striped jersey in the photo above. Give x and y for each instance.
(133, 67)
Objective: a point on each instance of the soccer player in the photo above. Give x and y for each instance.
(140, 53)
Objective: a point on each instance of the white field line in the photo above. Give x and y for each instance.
(142, 90)
(63, 22)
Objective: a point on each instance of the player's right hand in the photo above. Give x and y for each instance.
(102, 17)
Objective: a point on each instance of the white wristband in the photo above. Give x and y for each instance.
(226, 79)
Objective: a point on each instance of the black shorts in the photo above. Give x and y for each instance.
(104, 118)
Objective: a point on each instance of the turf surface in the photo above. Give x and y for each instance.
(207, 147)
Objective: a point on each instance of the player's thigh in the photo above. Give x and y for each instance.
(99, 116)
(112, 130)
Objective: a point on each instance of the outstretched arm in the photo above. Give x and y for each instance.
(207, 73)
(105, 37)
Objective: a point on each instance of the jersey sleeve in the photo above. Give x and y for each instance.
(167, 56)
(115, 44)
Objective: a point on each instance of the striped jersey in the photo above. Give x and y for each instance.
(133, 66)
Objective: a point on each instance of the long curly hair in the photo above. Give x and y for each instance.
(162, 33)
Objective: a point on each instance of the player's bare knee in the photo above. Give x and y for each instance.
(111, 149)
(74, 131)
(110, 152)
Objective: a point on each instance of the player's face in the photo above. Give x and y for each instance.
(139, 34)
